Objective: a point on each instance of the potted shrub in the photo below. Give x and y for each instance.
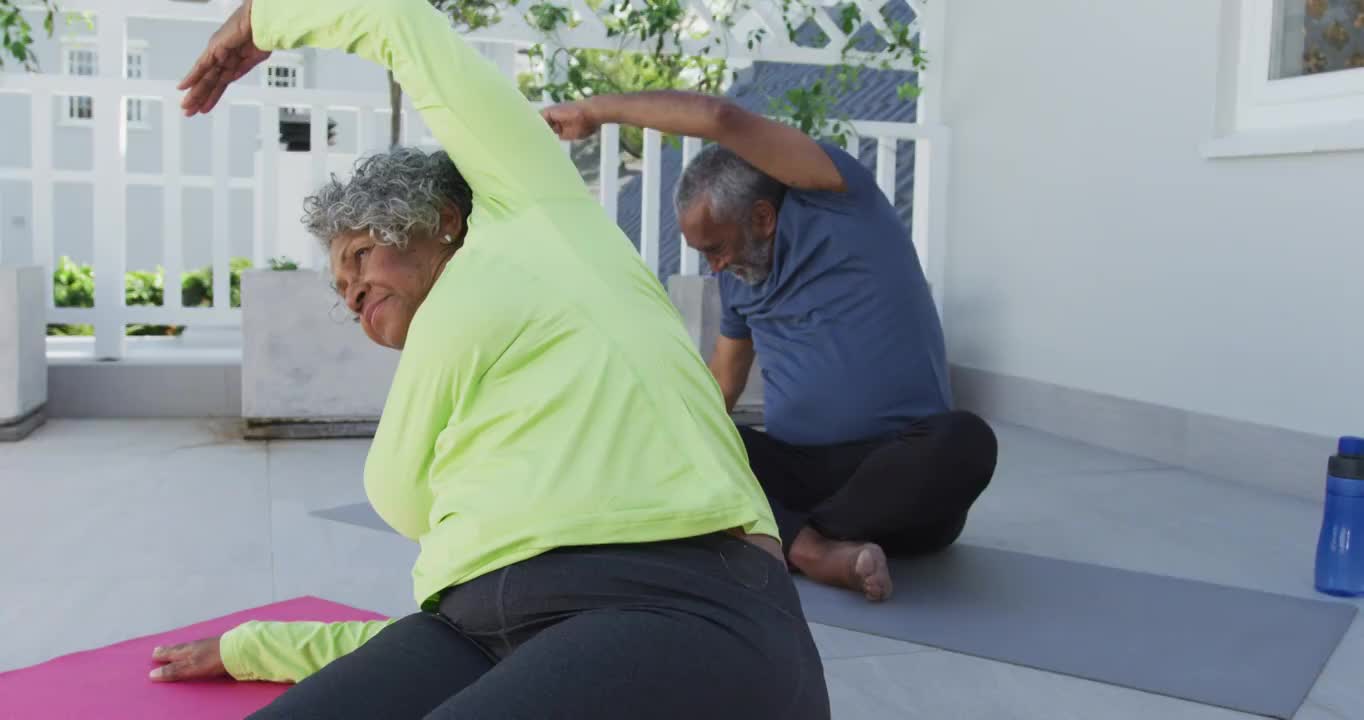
(307, 369)
(23, 351)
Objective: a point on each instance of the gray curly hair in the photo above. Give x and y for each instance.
(391, 194)
(730, 183)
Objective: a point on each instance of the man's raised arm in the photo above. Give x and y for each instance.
(779, 150)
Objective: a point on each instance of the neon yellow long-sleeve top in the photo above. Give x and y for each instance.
(548, 394)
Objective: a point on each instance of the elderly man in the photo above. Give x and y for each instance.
(861, 450)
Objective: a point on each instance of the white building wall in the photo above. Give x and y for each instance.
(1092, 246)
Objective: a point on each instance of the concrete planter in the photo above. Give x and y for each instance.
(697, 297)
(23, 351)
(304, 374)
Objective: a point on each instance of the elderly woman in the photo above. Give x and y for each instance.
(593, 543)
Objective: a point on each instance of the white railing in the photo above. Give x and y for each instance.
(110, 180)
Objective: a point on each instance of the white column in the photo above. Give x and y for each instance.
(931, 165)
(267, 169)
(40, 133)
(410, 118)
(885, 166)
(222, 250)
(318, 151)
(366, 132)
(931, 156)
(610, 168)
(649, 198)
(690, 260)
(172, 204)
(110, 191)
(932, 29)
(504, 56)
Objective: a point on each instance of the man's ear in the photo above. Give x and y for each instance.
(764, 220)
(452, 223)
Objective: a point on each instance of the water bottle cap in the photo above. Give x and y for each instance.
(1352, 446)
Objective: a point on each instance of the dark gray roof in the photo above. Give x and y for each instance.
(874, 99)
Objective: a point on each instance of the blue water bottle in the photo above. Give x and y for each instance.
(1340, 549)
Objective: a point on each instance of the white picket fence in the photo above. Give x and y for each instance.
(110, 181)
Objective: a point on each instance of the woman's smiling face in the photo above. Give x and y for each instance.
(383, 285)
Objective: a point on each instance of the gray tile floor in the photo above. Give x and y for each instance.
(112, 529)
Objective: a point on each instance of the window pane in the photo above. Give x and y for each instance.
(84, 63)
(1316, 36)
(281, 76)
(80, 108)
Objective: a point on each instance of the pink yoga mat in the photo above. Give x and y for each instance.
(111, 683)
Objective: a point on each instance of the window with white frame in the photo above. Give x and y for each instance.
(1292, 78)
(284, 70)
(79, 57)
(136, 69)
(1311, 37)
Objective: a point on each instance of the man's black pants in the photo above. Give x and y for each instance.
(909, 493)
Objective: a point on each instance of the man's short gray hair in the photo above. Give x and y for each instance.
(732, 185)
(391, 195)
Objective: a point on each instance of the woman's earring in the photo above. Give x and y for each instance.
(449, 240)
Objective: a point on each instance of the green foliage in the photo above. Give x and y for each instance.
(467, 15)
(16, 33)
(660, 26)
(605, 72)
(575, 74)
(811, 108)
(471, 14)
(196, 286)
(73, 285)
(546, 17)
(282, 263)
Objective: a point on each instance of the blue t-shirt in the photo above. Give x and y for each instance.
(844, 326)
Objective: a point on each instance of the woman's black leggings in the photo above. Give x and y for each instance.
(708, 627)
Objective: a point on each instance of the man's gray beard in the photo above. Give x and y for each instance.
(756, 264)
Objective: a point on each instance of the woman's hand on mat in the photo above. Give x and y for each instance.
(198, 660)
(571, 121)
(231, 53)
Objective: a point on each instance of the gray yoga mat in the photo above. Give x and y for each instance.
(1241, 649)
(361, 514)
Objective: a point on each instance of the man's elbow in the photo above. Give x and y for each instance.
(723, 117)
(732, 399)
(734, 389)
(728, 390)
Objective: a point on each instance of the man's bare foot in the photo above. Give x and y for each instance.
(856, 566)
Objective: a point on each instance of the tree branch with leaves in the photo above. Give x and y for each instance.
(466, 16)
(16, 32)
(651, 34)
